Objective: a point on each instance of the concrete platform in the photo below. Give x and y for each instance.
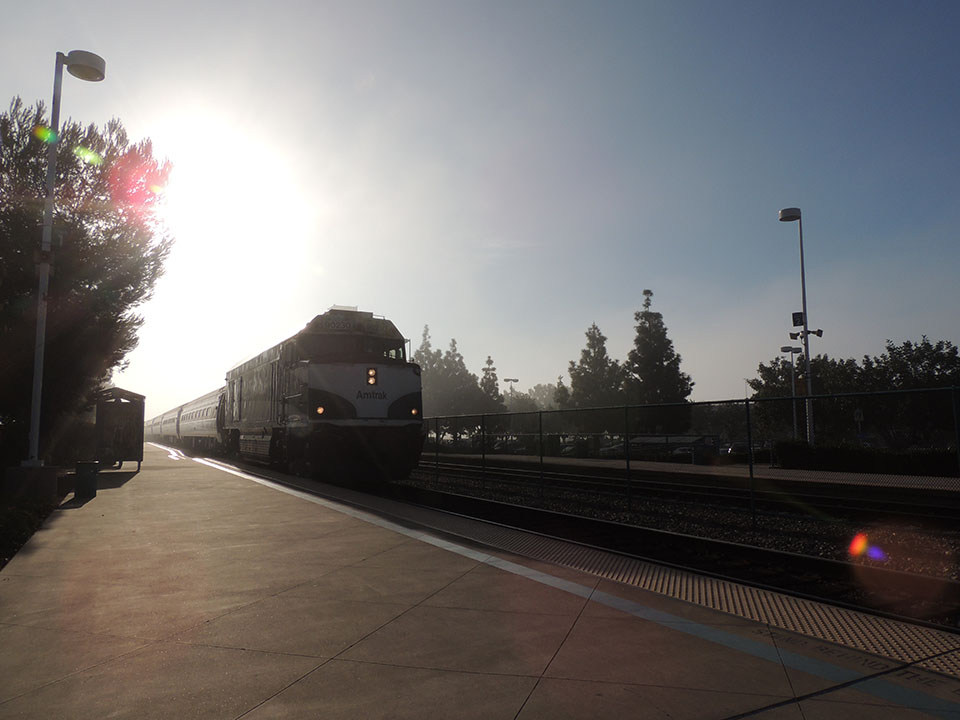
(184, 591)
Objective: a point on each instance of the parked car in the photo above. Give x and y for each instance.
(738, 448)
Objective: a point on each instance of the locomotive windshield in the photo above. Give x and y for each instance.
(351, 348)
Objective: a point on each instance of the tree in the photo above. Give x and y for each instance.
(425, 356)
(561, 396)
(544, 396)
(489, 384)
(596, 379)
(775, 419)
(449, 388)
(922, 419)
(829, 376)
(461, 391)
(109, 250)
(913, 365)
(908, 366)
(521, 402)
(652, 369)
(429, 361)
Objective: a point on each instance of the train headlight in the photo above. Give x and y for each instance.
(371, 376)
(414, 411)
(320, 410)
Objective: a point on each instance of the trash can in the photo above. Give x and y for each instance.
(85, 486)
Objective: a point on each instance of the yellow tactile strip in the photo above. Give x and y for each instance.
(930, 649)
(876, 635)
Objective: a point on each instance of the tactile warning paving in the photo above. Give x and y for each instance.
(928, 648)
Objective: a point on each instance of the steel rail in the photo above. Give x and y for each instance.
(830, 497)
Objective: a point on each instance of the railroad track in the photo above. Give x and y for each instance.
(933, 509)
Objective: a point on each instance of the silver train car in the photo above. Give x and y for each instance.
(338, 395)
(193, 425)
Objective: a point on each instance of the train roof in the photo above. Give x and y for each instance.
(339, 319)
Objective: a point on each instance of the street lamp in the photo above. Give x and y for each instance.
(92, 68)
(789, 215)
(511, 381)
(793, 382)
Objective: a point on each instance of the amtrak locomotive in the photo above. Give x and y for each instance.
(339, 394)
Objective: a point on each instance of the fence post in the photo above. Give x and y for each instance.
(626, 454)
(956, 423)
(753, 500)
(540, 422)
(483, 451)
(436, 450)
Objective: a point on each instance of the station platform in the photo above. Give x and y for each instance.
(189, 590)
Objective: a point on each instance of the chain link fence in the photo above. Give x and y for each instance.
(892, 437)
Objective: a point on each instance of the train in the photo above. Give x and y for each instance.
(339, 395)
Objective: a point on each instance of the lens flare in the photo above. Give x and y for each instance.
(45, 134)
(858, 545)
(132, 180)
(875, 553)
(88, 156)
(861, 546)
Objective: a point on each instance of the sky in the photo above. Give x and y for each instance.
(510, 172)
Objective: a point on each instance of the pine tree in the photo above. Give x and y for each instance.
(429, 361)
(561, 395)
(425, 356)
(595, 381)
(489, 384)
(458, 389)
(653, 372)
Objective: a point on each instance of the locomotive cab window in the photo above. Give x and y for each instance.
(384, 348)
(350, 348)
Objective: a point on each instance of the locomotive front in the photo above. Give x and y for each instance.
(351, 396)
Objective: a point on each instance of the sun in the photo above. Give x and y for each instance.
(232, 201)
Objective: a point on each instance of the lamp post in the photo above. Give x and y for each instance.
(789, 215)
(793, 382)
(511, 381)
(92, 68)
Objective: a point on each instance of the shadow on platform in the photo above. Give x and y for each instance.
(74, 503)
(113, 479)
(106, 480)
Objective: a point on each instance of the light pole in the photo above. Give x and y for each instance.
(789, 215)
(90, 67)
(793, 382)
(511, 381)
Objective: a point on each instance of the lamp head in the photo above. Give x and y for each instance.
(86, 65)
(796, 350)
(789, 214)
(786, 348)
